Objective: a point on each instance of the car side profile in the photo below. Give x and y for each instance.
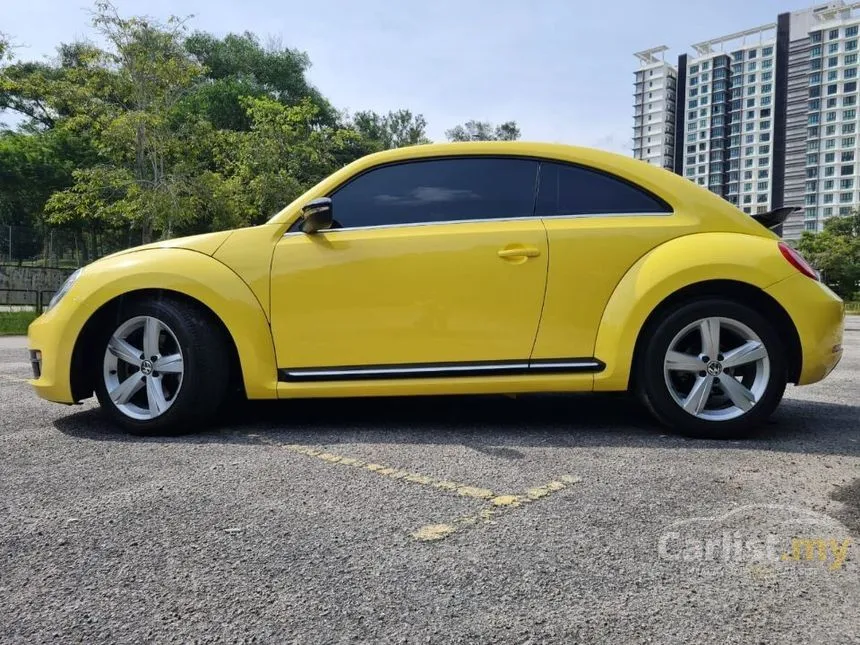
(471, 268)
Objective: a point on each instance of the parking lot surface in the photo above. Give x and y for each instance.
(440, 520)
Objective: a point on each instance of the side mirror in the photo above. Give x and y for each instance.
(317, 215)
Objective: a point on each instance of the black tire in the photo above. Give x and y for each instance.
(655, 392)
(205, 364)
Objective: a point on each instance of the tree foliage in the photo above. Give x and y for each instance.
(165, 131)
(835, 252)
(484, 131)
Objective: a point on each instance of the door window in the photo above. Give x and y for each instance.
(438, 190)
(575, 190)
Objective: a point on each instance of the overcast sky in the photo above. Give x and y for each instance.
(561, 69)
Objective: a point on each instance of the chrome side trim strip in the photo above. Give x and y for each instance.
(411, 370)
(485, 219)
(565, 364)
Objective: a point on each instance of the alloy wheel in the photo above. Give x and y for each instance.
(716, 369)
(143, 368)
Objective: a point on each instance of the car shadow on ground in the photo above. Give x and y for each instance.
(496, 425)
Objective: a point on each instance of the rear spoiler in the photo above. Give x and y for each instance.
(774, 218)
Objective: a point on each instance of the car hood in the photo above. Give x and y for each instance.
(206, 243)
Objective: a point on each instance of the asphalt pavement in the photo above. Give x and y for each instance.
(540, 519)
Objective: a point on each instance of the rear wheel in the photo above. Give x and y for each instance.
(164, 367)
(714, 369)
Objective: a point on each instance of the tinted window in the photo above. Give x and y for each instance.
(438, 190)
(573, 190)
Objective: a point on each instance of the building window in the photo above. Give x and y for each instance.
(814, 104)
(810, 226)
(849, 100)
(830, 144)
(812, 160)
(815, 63)
(748, 163)
(832, 48)
(750, 138)
(833, 61)
(762, 185)
(706, 65)
(766, 51)
(751, 90)
(843, 211)
(763, 174)
(694, 69)
(813, 118)
(847, 171)
(832, 75)
(809, 200)
(832, 89)
(850, 59)
(831, 103)
(766, 88)
(830, 157)
(846, 184)
(765, 100)
(810, 186)
(851, 31)
(767, 63)
(749, 151)
(834, 33)
(850, 45)
(761, 199)
(831, 116)
(846, 198)
(828, 184)
(812, 132)
(830, 130)
(850, 87)
(815, 79)
(848, 155)
(850, 72)
(848, 114)
(829, 171)
(811, 173)
(763, 161)
(750, 67)
(763, 150)
(812, 146)
(815, 37)
(815, 52)
(750, 103)
(828, 198)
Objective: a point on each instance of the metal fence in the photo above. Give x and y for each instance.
(25, 299)
(59, 248)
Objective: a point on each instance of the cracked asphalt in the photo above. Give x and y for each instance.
(541, 519)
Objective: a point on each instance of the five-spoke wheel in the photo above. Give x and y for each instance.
(143, 367)
(164, 366)
(712, 368)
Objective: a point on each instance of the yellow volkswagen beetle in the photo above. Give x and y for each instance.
(454, 269)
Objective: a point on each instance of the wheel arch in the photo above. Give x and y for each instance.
(82, 374)
(741, 292)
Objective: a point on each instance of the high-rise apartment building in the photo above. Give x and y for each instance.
(766, 117)
(654, 109)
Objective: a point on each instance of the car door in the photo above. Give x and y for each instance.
(598, 225)
(433, 267)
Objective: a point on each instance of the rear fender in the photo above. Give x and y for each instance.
(670, 267)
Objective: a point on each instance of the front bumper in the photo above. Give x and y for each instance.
(819, 317)
(51, 336)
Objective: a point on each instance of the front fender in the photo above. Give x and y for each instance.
(668, 268)
(191, 273)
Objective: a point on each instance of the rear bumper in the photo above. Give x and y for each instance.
(819, 317)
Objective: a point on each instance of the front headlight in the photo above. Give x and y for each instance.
(62, 291)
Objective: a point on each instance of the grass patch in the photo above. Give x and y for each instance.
(14, 323)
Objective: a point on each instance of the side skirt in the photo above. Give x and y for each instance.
(440, 370)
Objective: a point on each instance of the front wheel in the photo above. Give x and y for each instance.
(163, 367)
(713, 369)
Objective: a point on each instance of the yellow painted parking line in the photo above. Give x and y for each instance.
(495, 504)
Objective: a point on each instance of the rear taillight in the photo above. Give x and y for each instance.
(796, 260)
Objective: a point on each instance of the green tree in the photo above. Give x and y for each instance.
(392, 130)
(484, 131)
(835, 252)
(238, 66)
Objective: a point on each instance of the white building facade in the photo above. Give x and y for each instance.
(767, 117)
